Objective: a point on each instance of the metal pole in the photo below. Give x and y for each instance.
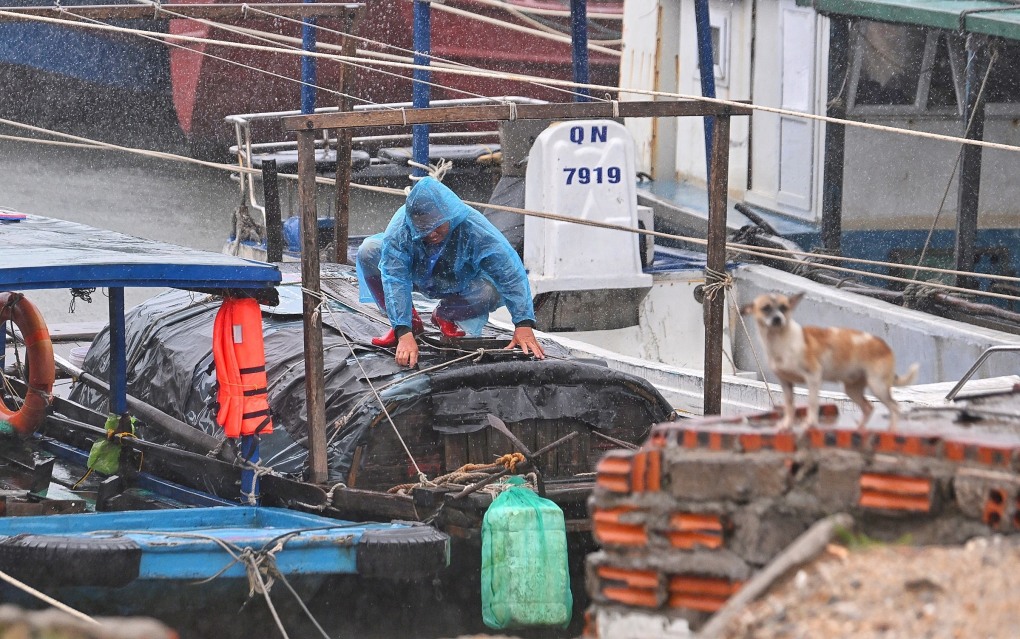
(274, 221)
(315, 406)
(835, 135)
(422, 91)
(250, 486)
(308, 64)
(706, 64)
(118, 353)
(715, 305)
(970, 162)
(579, 44)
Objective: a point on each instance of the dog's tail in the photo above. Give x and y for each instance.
(908, 377)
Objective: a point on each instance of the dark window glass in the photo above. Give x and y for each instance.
(891, 56)
(941, 93)
(1004, 81)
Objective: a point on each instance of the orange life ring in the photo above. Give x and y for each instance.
(41, 369)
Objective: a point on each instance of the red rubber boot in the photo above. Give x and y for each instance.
(389, 340)
(448, 329)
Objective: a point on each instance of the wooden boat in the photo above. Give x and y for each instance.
(155, 534)
(430, 465)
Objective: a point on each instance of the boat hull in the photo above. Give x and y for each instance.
(199, 81)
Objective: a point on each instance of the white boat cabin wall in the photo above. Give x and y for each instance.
(776, 54)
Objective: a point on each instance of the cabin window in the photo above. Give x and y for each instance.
(1002, 85)
(904, 70)
(719, 32)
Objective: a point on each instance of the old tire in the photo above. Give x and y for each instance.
(408, 552)
(51, 560)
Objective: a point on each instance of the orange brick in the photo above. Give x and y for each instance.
(609, 530)
(631, 577)
(751, 442)
(654, 482)
(691, 530)
(632, 597)
(613, 472)
(895, 492)
(706, 594)
(637, 472)
(784, 442)
(995, 509)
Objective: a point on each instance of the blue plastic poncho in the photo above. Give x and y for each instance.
(473, 249)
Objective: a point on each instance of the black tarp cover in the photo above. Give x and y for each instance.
(170, 366)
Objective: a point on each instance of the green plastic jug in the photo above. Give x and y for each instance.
(525, 578)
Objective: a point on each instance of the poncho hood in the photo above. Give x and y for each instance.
(431, 204)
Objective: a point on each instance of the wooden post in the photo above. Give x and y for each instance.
(715, 305)
(342, 224)
(969, 187)
(835, 135)
(315, 407)
(274, 221)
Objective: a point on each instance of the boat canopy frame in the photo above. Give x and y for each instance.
(308, 126)
(47, 253)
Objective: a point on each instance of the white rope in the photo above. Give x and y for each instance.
(20, 585)
(530, 78)
(368, 380)
(562, 13)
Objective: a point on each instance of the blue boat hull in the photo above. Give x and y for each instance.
(201, 543)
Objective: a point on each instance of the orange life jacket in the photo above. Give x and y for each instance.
(240, 358)
(41, 369)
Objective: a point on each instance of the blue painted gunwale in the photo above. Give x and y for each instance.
(180, 544)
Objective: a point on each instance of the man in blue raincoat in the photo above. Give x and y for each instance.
(440, 246)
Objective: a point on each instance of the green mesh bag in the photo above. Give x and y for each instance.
(525, 579)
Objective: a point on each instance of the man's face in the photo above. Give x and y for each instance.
(439, 234)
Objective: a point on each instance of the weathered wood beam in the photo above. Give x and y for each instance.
(507, 112)
(715, 264)
(166, 11)
(315, 404)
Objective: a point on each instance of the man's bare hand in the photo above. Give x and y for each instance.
(407, 350)
(525, 338)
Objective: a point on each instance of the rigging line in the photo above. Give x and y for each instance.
(546, 28)
(409, 52)
(46, 598)
(323, 302)
(313, 54)
(251, 33)
(551, 81)
(216, 57)
(759, 251)
(956, 164)
(513, 27)
(562, 13)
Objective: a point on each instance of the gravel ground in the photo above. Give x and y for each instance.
(895, 592)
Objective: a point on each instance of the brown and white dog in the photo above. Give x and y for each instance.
(811, 354)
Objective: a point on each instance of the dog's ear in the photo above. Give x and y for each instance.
(795, 300)
(747, 309)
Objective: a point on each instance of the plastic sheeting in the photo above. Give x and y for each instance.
(170, 364)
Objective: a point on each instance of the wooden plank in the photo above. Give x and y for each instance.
(478, 447)
(545, 434)
(526, 431)
(499, 444)
(506, 112)
(455, 452)
(164, 11)
(714, 306)
(314, 376)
